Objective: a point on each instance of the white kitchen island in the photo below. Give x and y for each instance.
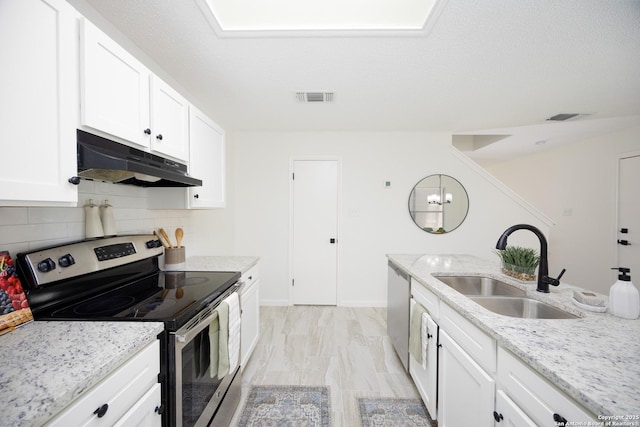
(592, 359)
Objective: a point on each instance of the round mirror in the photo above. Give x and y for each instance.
(438, 204)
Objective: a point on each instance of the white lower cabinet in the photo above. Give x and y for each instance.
(482, 384)
(129, 396)
(535, 396)
(250, 320)
(466, 391)
(425, 376)
(507, 413)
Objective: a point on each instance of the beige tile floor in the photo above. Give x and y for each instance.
(347, 349)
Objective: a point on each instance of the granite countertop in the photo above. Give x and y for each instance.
(221, 263)
(594, 359)
(46, 365)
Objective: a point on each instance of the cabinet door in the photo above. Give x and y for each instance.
(466, 391)
(207, 161)
(114, 88)
(146, 412)
(509, 414)
(38, 106)
(169, 121)
(536, 396)
(426, 379)
(250, 324)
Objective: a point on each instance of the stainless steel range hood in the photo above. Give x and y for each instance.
(104, 160)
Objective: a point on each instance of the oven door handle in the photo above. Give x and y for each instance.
(191, 330)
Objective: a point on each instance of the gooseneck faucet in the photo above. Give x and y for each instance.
(543, 269)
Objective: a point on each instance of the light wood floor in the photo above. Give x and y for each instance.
(347, 349)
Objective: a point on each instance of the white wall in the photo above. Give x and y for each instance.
(374, 221)
(575, 185)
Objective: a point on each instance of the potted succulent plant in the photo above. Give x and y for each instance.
(519, 262)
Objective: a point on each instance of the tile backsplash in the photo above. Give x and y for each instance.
(27, 228)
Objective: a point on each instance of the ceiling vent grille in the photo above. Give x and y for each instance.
(315, 97)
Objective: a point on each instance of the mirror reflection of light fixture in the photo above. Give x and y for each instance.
(436, 198)
(431, 204)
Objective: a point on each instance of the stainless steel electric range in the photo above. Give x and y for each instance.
(118, 279)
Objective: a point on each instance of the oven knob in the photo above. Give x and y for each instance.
(66, 260)
(46, 265)
(153, 244)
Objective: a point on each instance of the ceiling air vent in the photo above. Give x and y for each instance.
(562, 117)
(314, 97)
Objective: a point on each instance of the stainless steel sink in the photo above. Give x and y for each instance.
(522, 307)
(480, 286)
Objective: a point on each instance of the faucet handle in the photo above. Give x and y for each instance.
(554, 281)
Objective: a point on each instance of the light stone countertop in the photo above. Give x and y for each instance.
(594, 359)
(221, 263)
(46, 365)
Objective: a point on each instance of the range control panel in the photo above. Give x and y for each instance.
(76, 259)
(119, 250)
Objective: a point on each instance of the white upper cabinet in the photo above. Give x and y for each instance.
(207, 161)
(122, 98)
(169, 120)
(38, 106)
(114, 88)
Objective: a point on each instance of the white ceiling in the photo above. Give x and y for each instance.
(483, 67)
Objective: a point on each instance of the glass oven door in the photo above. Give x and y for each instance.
(197, 384)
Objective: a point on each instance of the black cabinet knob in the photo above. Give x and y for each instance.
(75, 180)
(560, 420)
(101, 410)
(159, 409)
(498, 417)
(147, 131)
(196, 196)
(159, 137)
(66, 260)
(46, 265)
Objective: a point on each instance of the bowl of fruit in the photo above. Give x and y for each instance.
(14, 307)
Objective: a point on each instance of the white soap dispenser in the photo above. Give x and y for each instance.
(624, 299)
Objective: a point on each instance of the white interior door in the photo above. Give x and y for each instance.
(314, 228)
(629, 216)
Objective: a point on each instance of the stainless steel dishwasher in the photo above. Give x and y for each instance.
(398, 309)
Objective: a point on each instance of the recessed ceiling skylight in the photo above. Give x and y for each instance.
(318, 15)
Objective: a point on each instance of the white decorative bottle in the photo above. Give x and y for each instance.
(93, 226)
(108, 221)
(624, 299)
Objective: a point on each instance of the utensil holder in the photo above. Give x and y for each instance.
(174, 258)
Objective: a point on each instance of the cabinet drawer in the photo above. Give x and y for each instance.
(250, 276)
(120, 391)
(146, 412)
(536, 396)
(480, 346)
(426, 298)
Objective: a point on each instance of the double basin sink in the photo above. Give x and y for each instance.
(502, 298)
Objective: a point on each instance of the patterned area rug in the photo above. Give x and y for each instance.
(388, 412)
(286, 406)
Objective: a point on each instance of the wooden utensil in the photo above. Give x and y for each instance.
(164, 244)
(179, 236)
(166, 237)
